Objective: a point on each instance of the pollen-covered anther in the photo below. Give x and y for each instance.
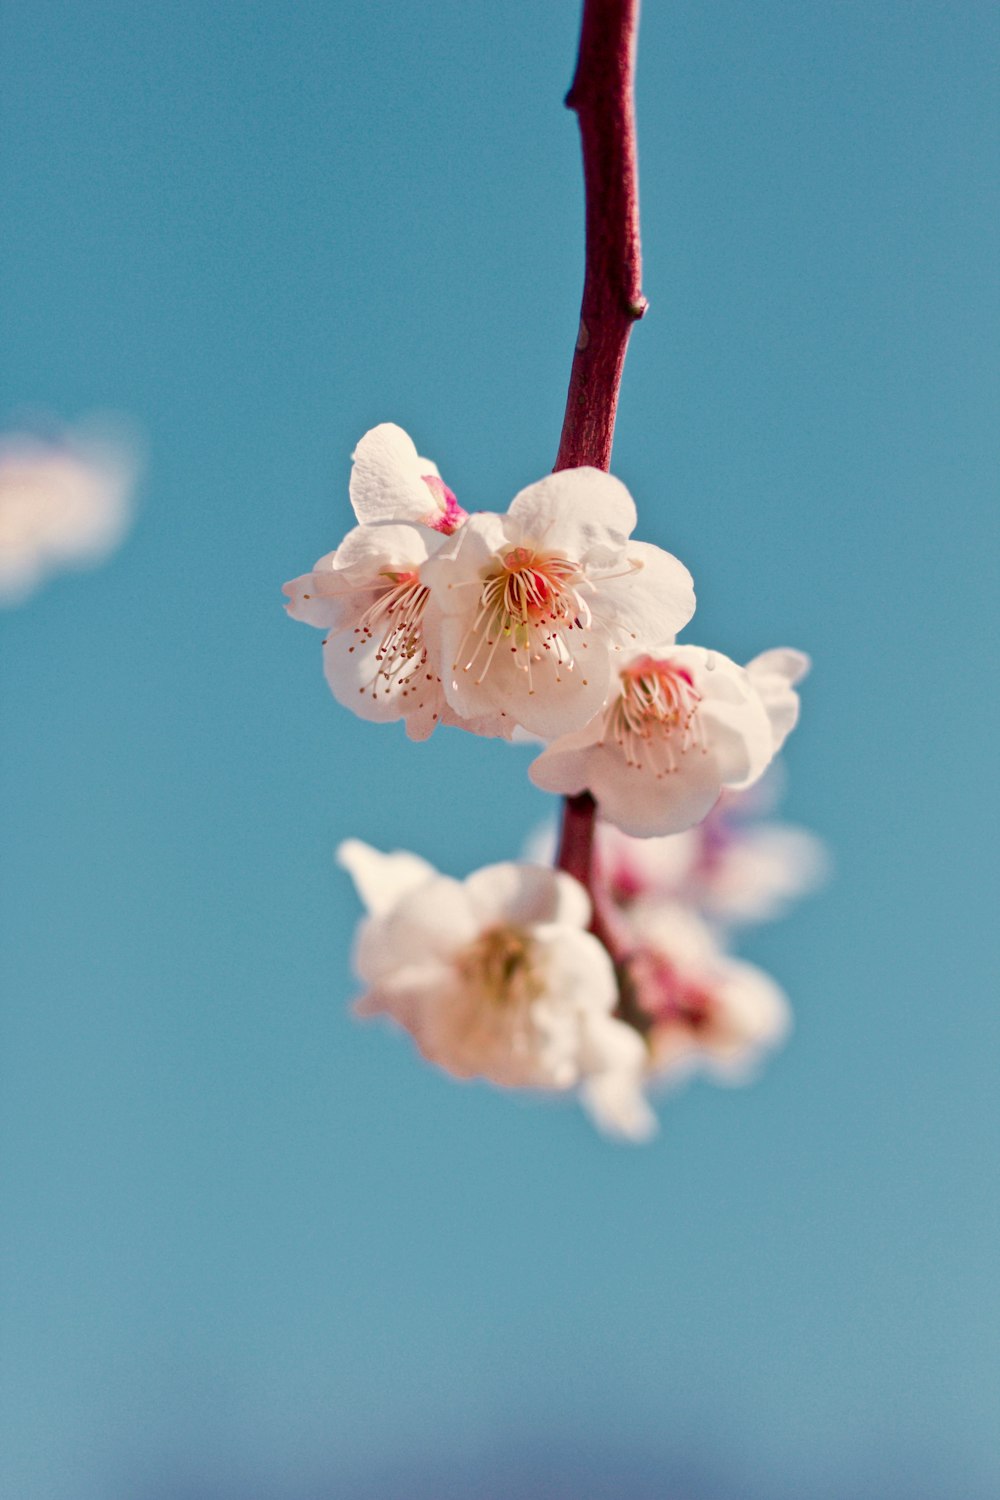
(501, 966)
(395, 621)
(654, 719)
(530, 602)
(504, 980)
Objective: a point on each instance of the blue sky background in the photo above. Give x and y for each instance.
(252, 1250)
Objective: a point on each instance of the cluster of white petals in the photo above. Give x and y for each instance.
(668, 907)
(496, 976)
(549, 622)
(64, 502)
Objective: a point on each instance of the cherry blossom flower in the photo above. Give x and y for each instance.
(380, 658)
(63, 503)
(681, 724)
(697, 1006)
(732, 870)
(495, 976)
(381, 653)
(538, 602)
(391, 482)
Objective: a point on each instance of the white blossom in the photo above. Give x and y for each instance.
(381, 652)
(495, 976)
(381, 659)
(729, 868)
(63, 503)
(698, 1007)
(538, 604)
(680, 724)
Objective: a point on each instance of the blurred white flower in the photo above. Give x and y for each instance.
(728, 868)
(681, 724)
(495, 976)
(64, 503)
(537, 602)
(697, 1006)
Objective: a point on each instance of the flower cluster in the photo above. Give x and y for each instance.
(668, 907)
(548, 622)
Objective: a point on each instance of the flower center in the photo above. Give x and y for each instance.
(655, 716)
(395, 621)
(529, 603)
(499, 967)
(666, 998)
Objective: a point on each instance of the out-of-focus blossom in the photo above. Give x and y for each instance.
(539, 602)
(697, 1006)
(681, 724)
(705, 1008)
(730, 869)
(495, 976)
(391, 482)
(64, 503)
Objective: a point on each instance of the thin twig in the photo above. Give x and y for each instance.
(602, 96)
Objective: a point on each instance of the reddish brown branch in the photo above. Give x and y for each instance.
(602, 96)
(576, 857)
(576, 842)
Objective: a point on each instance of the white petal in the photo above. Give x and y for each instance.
(573, 512)
(735, 720)
(672, 928)
(758, 1018)
(455, 571)
(368, 551)
(307, 604)
(617, 1105)
(760, 870)
(651, 600)
(579, 971)
(631, 867)
(774, 675)
(783, 662)
(523, 894)
(354, 673)
(429, 924)
(634, 798)
(386, 481)
(381, 880)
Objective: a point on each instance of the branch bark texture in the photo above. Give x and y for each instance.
(602, 94)
(602, 97)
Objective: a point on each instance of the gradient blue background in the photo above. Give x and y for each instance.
(251, 1250)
